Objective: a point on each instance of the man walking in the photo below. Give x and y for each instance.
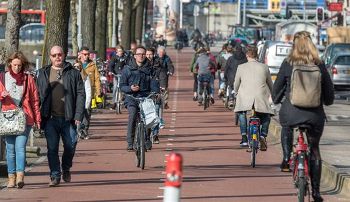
(62, 99)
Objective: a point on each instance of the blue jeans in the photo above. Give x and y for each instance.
(55, 128)
(16, 151)
(264, 121)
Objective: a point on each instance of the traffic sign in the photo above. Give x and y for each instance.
(335, 6)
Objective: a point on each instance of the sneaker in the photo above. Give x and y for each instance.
(155, 139)
(161, 124)
(244, 142)
(212, 100)
(66, 176)
(285, 166)
(195, 98)
(130, 148)
(148, 145)
(54, 182)
(263, 143)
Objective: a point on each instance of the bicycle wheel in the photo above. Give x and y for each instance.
(301, 189)
(118, 103)
(254, 150)
(137, 146)
(142, 146)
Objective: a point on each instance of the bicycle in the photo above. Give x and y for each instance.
(204, 85)
(253, 137)
(118, 95)
(140, 133)
(300, 165)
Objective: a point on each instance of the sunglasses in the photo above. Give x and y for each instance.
(85, 54)
(59, 75)
(56, 55)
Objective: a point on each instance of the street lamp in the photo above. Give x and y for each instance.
(80, 37)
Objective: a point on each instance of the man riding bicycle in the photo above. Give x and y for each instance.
(204, 65)
(253, 86)
(136, 80)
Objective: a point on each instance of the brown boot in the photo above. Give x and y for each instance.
(20, 180)
(12, 181)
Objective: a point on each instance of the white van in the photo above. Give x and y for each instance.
(273, 53)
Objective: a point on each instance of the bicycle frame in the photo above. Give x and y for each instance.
(253, 136)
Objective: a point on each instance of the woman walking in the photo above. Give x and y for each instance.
(16, 87)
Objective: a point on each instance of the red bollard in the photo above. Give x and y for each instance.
(173, 178)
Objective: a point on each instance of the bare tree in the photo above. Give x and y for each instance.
(88, 23)
(126, 24)
(74, 25)
(101, 28)
(12, 26)
(140, 10)
(56, 31)
(110, 21)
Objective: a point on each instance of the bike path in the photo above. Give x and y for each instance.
(215, 167)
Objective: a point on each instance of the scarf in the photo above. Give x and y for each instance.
(18, 77)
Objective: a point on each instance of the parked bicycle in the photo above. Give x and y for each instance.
(300, 165)
(118, 95)
(253, 137)
(141, 130)
(102, 69)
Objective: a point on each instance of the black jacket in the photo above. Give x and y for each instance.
(141, 76)
(74, 93)
(291, 115)
(166, 69)
(232, 63)
(117, 63)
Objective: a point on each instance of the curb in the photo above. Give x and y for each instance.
(336, 181)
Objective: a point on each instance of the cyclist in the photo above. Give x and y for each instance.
(303, 52)
(238, 57)
(166, 70)
(222, 58)
(116, 66)
(136, 80)
(204, 65)
(253, 92)
(194, 73)
(155, 65)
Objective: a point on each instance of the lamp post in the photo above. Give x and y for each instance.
(165, 18)
(114, 37)
(80, 37)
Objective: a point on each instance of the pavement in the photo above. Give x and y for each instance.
(215, 167)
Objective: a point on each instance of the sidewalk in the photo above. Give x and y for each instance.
(334, 146)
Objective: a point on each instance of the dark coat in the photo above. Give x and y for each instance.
(141, 76)
(166, 69)
(74, 93)
(232, 63)
(117, 63)
(289, 114)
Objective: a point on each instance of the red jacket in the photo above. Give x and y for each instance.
(30, 101)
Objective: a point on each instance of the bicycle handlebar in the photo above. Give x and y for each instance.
(140, 99)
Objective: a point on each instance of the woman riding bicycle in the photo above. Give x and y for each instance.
(303, 52)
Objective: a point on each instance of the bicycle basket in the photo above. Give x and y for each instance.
(148, 109)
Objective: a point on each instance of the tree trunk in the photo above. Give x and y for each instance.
(110, 22)
(12, 26)
(126, 26)
(88, 23)
(139, 21)
(74, 24)
(56, 30)
(101, 28)
(133, 24)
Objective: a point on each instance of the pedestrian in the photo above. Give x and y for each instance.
(253, 92)
(87, 84)
(166, 70)
(115, 67)
(304, 53)
(18, 89)
(137, 81)
(62, 100)
(91, 69)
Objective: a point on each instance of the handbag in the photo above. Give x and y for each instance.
(13, 122)
(148, 109)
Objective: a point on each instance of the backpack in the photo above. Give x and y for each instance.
(305, 86)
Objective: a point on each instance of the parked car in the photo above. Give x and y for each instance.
(339, 70)
(334, 49)
(32, 32)
(272, 54)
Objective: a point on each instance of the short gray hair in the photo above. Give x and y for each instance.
(161, 48)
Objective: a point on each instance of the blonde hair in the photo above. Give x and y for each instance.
(304, 50)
